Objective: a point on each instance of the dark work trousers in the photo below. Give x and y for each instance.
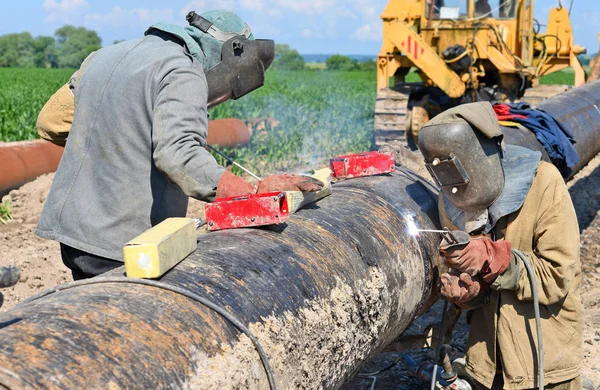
(84, 265)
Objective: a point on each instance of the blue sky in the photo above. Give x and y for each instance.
(310, 26)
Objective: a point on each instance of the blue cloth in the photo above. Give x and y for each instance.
(557, 140)
(520, 166)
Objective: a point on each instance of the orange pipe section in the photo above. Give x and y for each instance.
(228, 133)
(21, 162)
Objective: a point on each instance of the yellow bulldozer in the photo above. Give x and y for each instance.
(465, 50)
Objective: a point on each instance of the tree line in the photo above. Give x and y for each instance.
(289, 59)
(70, 45)
(66, 49)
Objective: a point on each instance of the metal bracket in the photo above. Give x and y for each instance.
(247, 210)
(362, 164)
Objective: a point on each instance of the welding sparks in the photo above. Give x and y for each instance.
(412, 226)
(414, 231)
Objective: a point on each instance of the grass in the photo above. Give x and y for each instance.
(23, 93)
(321, 114)
(5, 213)
(316, 65)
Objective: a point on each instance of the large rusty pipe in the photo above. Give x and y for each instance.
(228, 133)
(321, 293)
(21, 162)
(578, 111)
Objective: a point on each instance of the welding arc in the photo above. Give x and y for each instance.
(232, 161)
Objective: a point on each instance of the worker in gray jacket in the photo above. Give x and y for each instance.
(135, 151)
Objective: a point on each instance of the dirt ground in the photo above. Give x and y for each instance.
(41, 268)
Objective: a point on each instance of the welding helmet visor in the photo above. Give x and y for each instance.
(244, 61)
(241, 70)
(464, 163)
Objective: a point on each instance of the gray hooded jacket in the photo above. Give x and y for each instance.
(134, 153)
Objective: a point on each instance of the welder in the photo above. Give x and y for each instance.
(135, 149)
(517, 209)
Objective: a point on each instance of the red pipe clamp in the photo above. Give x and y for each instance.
(246, 211)
(362, 164)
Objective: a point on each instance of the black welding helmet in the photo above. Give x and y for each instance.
(243, 63)
(463, 148)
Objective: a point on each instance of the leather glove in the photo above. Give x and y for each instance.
(232, 185)
(481, 256)
(459, 288)
(287, 182)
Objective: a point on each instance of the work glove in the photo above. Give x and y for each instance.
(287, 182)
(480, 256)
(459, 288)
(232, 185)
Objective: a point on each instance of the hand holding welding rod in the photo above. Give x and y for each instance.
(232, 161)
(453, 240)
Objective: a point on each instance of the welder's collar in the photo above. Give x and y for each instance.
(520, 165)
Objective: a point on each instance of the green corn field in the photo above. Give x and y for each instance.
(321, 113)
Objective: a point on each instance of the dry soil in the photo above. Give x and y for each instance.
(41, 268)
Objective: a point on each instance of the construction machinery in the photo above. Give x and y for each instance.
(463, 51)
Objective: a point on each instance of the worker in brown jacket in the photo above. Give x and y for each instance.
(516, 208)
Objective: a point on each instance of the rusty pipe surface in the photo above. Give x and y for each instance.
(23, 161)
(229, 132)
(577, 110)
(322, 293)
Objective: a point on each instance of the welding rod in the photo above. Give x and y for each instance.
(233, 162)
(431, 231)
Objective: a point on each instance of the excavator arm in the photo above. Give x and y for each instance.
(406, 40)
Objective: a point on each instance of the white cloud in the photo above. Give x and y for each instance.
(253, 5)
(120, 17)
(202, 6)
(306, 33)
(310, 7)
(64, 5)
(275, 12)
(198, 5)
(63, 10)
(369, 32)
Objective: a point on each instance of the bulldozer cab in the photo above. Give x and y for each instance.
(464, 50)
(467, 9)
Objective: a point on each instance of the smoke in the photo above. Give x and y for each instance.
(321, 114)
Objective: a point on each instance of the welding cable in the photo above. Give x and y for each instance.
(438, 346)
(536, 310)
(571, 7)
(153, 283)
(372, 374)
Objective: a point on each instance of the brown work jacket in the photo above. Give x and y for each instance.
(546, 230)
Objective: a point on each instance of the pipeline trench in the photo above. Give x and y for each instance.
(322, 293)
